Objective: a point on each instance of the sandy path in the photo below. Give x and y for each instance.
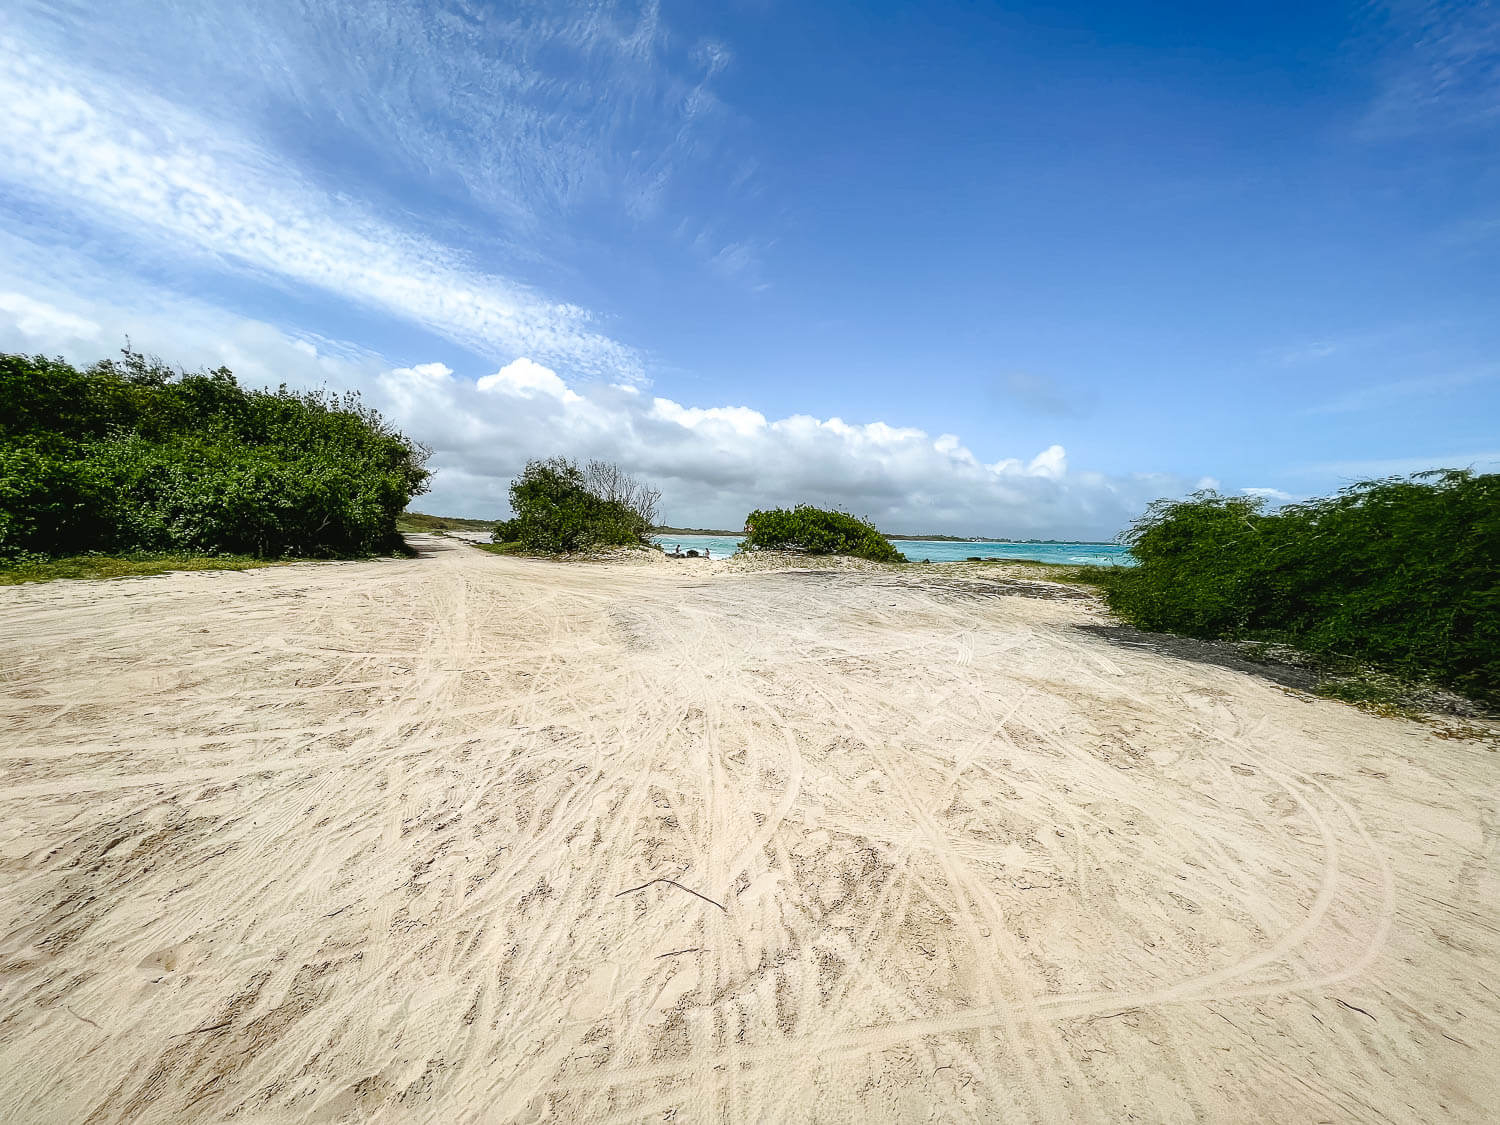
(348, 841)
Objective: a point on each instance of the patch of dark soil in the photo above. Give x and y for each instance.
(1292, 668)
(1288, 672)
(1020, 588)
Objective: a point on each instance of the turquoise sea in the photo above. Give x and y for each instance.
(1094, 554)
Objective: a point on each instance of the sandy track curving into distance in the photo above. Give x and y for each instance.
(358, 842)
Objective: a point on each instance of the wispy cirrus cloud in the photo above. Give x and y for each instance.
(91, 154)
(1441, 67)
(1310, 352)
(531, 112)
(1396, 391)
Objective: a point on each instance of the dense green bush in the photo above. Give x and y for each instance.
(131, 456)
(560, 507)
(817, 531)
(1401, 573)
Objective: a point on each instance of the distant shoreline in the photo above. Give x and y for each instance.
(997, 539)
(950, 549)
(419, 521)
(893, 536)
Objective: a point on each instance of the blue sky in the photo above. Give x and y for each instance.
(1005, 269)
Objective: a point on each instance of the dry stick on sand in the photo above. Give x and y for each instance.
(679, 886)
(85, 1019)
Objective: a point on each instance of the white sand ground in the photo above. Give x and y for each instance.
(356, 842)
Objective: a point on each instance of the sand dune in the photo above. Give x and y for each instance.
(465, 838)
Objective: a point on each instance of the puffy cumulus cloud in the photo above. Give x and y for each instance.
(737, 420)
(1050, 462)
(716, 463)
(713, 463)
(525, 378)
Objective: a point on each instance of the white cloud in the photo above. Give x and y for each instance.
(1051, 462)
(33, 319)
(738, 261)
(714, 463)
(1275, 494)
(525, 378)
(430, 372)
(1439, 71)
(93, 152)
(740, 421)
(55, 318)
(529, 113)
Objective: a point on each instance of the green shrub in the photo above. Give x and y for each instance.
(1204, 565)
(816, 531)
(1400, 573)
(130, 456)
(559, 507)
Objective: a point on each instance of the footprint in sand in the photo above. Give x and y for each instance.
(595, 994)
(167, 961)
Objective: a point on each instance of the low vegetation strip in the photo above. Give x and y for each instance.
(115, 566)
(816, 531)
(1401, 574)
(132, 457)
(421, 521)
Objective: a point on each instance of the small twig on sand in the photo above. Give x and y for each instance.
(1352, 1008)
(679, 952)
(85, 1019)
(679, 886)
